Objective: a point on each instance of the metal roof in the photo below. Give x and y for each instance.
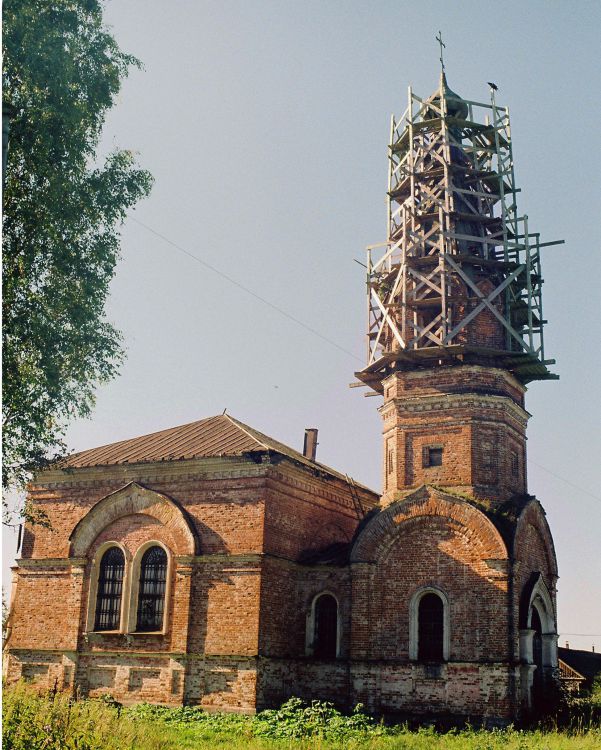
(211, 437)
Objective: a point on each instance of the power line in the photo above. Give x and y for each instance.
(567, 481)
(246, 289)
(305, 325)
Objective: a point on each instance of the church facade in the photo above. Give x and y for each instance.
(211, 565)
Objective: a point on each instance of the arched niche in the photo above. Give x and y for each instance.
(131, 499)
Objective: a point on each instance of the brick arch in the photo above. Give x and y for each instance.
(134, 498)
(427, 522)
(534, 515)
(537, 588)
(379, 534)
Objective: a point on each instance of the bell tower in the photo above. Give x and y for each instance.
(455, 319)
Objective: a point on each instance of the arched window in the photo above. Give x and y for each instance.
(430, 632)
(151, 591)
(429, 625)
(325, 633)
(109, 590)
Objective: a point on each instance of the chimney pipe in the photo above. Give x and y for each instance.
(310, 444)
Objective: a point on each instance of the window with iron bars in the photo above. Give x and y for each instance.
(110, 590)
(151, 591)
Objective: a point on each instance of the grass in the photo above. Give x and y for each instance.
(32, 721)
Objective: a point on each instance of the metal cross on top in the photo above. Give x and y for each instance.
(442, 44)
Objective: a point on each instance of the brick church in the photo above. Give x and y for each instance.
(209, 564)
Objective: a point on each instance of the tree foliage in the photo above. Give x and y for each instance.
(62, 212)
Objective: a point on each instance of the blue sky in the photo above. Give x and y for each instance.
(265, 125)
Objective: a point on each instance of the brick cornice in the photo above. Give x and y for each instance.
(182, 562)
(222, 467)
(425, 403)
(214, 657)
(464, 369)
(48, 563)
(205, 469)
(63, 563)
(298, 565)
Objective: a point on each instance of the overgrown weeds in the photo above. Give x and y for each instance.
(36, 722)
(577, 713)
(54, 722)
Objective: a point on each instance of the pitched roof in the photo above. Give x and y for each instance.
(211, 437)
(567, 673)
(588, 663)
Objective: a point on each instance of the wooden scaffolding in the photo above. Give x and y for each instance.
(459, 277)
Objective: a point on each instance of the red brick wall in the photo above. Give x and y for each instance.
(231, 591)
(533, 545)
(282, 616)
(213, 620)
(432, 551)
(305, 514)
(228, 511)
(430, 539)
(237, 613)
(474, 414)
(46, 609)
(478, 691)
(280, 679)
(534, 553)
(287, 593)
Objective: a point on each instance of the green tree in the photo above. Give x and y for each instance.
(62, 213)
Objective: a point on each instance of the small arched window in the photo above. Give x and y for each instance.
(430, 638)
(325, 640)
(109, 590)
(151, 591)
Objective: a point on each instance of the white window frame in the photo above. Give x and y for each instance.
(136, 566)
(130, 589)
(414, 621)
(93, 594)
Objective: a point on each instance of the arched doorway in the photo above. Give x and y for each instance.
(538, 643)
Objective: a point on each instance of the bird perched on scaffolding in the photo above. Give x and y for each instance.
(493, 86)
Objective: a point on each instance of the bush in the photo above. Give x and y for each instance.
(297, 719)
(578, 714)
(574, 712)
